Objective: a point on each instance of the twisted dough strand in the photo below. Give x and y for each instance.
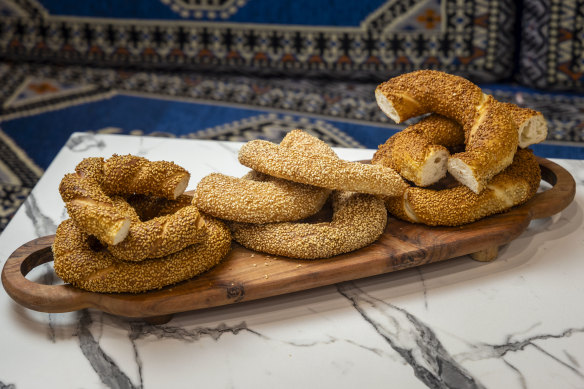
(257, 198)
(261, 198)
(158, 236)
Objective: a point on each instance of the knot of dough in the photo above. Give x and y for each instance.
(459, 205)
(85, 263)
(87, 192)
(358, 220)
(491, 136)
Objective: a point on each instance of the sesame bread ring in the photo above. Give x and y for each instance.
(160, 235)
(87, 192)
(260, 198)
(320, 170)
(358, 220)
(491, 136)
(82, 261)
(420, 152)
(459, 205)
(257, 198)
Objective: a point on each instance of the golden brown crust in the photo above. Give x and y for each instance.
(158, 236)
(491, 136)
(78, 262)
(257, 198)
(87, 192)
(358, 220)
(320, 170)
(415, 150)
(459, 205)
(302, 141)
(129, 174)
(93, 209)
(426, 91)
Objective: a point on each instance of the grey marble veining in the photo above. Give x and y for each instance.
(43, 225)
(83, 142)
(107, 370)
(412, 339)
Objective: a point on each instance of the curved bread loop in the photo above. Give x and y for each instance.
(358, 220)
(257, 198)
(320, 170)
(420, 152)
(92, 209)
(260, 198)
(83, 262)
(160, 235)
(459, 205)
(87, 192)
(491, 136)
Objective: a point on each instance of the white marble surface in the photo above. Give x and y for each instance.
(517, 322)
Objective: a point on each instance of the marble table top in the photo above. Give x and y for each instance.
(516, 322)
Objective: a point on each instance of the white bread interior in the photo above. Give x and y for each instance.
(463, 174)
(532, 131)
(181, 186)
(434, 168)
(408, 209)
(386, 106)
(123, 230)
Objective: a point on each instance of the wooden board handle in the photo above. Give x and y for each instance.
(46, 298)
(558, 197)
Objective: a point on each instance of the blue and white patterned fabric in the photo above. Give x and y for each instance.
(366, 38)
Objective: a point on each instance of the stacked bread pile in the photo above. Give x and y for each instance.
(132, 229)
(292, 181)
(482, 143)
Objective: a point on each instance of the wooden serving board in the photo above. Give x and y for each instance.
(246, 275)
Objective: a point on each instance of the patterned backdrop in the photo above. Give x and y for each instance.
(254, 69)
(366, 38)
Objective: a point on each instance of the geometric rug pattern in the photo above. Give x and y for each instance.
(42, 104)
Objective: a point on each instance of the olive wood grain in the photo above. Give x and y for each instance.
(246, 275)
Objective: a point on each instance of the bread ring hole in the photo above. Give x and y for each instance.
(94, 244)
(437, 160)
(325, 215)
